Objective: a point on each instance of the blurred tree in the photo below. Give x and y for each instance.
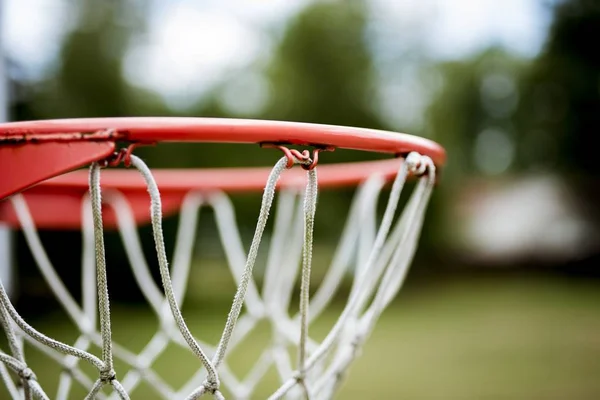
(497, 114)
(547, 110)
(89, 81)
(560, 117)
(561, 95)
(474, 114)
(322, 70)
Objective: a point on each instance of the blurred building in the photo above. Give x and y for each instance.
(530, 219)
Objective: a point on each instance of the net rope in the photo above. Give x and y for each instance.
(378, 257)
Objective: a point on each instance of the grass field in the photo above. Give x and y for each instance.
(501, 338)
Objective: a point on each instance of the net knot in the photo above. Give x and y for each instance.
(108, 375)
(27, 374)
(211, 386)
(300, 376)
(417, 163)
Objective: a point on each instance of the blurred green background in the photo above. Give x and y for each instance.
(503, 299)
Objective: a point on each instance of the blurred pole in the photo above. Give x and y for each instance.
(3, 84)
(6, 268)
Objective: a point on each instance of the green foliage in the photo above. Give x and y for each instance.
(89, 80)
(554, 119)
(562, 92)
(322, 70)
(467, 104)
(463, 108)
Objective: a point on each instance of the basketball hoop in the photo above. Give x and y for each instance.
(45, 197)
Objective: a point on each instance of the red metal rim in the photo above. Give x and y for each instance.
(22, 166)
(178, 129)
(44, 143)
(56, 203)
(224, 179)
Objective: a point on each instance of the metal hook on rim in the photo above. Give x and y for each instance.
(306, 161)
(123, 155)
(315, 157)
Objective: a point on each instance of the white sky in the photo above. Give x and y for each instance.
(192, 45)
(465, 26)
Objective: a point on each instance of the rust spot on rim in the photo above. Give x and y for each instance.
(23, 137)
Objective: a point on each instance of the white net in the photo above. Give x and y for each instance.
(376, 256)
